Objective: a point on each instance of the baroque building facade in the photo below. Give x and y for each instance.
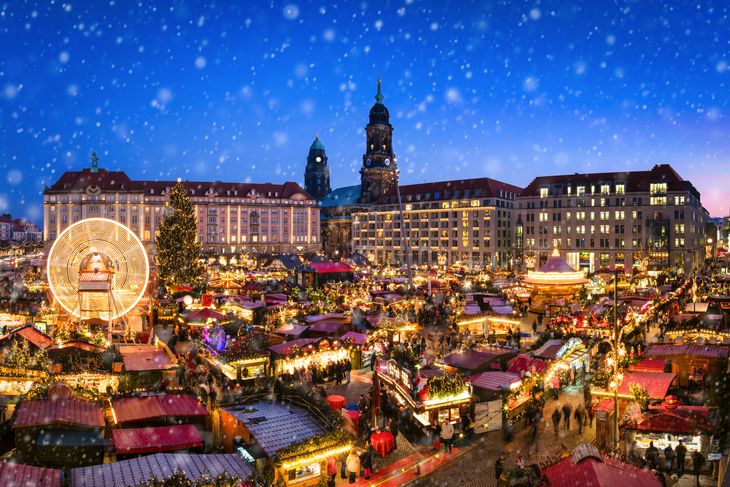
(233, 218)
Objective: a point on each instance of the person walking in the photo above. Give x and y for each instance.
(353, 466)
(499, 468)
(652, 455)
(331, 471)
(556, 420)
(447, 431)
(393, 426)
(681, 452)
(348, 369)
(591, 415)
(669, 456)
(435, 431)
(579, 418)
(534, 329)
(697, 461)
(366, 459)
(566, 415)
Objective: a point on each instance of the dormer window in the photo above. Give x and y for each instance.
(121, 186)
(192, 191)
(152, 191)
(466, 193)
(477, 192)
(447, 194)
(228, 193)
(385, 200)
(457, 194)
(418, 197)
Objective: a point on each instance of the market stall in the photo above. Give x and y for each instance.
(439, 398)
(308, 351)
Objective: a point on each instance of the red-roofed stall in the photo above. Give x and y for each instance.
(152, 440)
(317, 275)
(15, 474)
(681, 356)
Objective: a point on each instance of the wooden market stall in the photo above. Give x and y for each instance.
(479, 359)
(681, 356)
(309, 351)
(488, 386)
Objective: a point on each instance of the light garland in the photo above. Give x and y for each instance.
(315, 458)
(504, 321)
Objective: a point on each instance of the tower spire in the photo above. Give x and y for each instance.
(379, 96)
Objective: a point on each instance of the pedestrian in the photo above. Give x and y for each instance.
(353, 466)
(436, 435)
(393, 426)
(566, 415)
(465, 428)
(534, 328)
(652, 455)
(591, 415)
(447, 432)
(348, 369)
(579, 419)
(669, 456)
(331, 471)
(499, 468)
(556, 420)
(681, 452)
(697, 461)
(366, 459)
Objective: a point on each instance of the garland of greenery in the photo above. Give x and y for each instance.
(441, 387)
(249, 346)
(313, 444)
(406, 358)
(527, 384)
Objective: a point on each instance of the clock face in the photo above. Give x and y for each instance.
(319, 159)
(387, 162)
(367, 162)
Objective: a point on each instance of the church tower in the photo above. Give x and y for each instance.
(317, 173)
(377, 175)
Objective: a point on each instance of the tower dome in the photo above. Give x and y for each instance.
(379, 113)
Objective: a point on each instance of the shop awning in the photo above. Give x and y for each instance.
(140, 408)
(151, 440)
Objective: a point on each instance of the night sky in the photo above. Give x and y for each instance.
(236, 90)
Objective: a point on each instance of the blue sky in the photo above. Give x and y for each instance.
(237, 90)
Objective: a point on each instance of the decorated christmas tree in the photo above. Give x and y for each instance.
(177, 246)
(129, 334)
(61, 334)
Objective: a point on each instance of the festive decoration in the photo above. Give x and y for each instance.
(640, 394)
(177, 243)
(22, 357)
(445, 386)
(333, 439)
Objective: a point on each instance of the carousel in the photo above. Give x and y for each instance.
(554, 280)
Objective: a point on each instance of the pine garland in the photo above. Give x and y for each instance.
(441, 387)
(177, 246)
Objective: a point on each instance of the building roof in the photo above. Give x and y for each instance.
(137, 408)
(289, 329)
(288, 261)
(17, 475)
(657, 383)
(300, 342)
(87, 347)
(30, 333)
(118, 180)
(152, 440)
(326, 267)
(73, 410)
(275, 425)
(471, 359)
(145, 357)
(650, 365)
(525, 363)
(325, 326)
(687, 349)
(495, 381)
(549, 352)
(488, 188)
(360, 338)
(593, 469)
(161, 465)
(680, 420)
(636, 181)
(346, 196)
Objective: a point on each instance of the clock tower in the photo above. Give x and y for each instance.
(317, 173)
(377, 175)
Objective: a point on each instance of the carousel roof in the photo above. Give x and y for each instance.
(555, 272)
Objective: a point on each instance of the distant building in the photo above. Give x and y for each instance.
(252, 218)
(377, 176)
(19, 230)
(614, 219)
(317, 173)
(467, 221)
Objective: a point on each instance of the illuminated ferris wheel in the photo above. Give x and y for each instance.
(98, 269)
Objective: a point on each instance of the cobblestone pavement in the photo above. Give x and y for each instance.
(475, 467)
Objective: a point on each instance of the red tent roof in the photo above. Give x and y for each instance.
(151, 440)
(203, 315)
(145, 357)
(14, 474)
(330, 267)
(650, 365)
(525, 363)
(327, 326)
(139, 408)
(687, 349)
(494, 381)
(32, 334)
(76, 411)
(301, 342)
(656, 383)
(360, 338)
(550, 352)
(597, 473)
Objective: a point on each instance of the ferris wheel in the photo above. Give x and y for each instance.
(98, 269)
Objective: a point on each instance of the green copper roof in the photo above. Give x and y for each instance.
(379, 96)
(317, 144)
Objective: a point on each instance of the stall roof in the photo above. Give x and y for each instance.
(650, 365)
(300, 342)
(550, 343)
(289, 329)
(15, 474)
(657, 383)
(524, 363)
(325, 326)
(74, 410)
(687, 349)
(581, 469)
(137, 408)
(144, 357)
(328, 316)
(549, 352)
(275, 425)
(471, 359)
(495, 381)
(696, 308)
(151, 440)
(428, 373)
(161, 465)
(30, 333)
(87, 347)
(325, 268)
(360, 338)
(682, 420)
